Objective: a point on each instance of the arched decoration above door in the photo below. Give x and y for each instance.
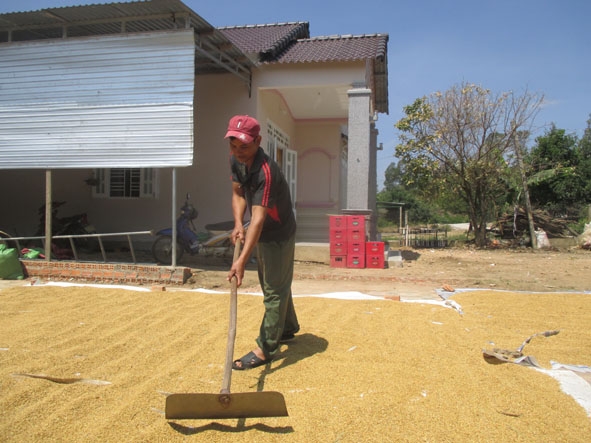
(316, 189)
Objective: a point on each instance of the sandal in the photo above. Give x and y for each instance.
(249, 361)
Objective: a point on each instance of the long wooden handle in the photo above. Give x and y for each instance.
(232, 326)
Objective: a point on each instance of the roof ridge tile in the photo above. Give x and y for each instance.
(262, 25)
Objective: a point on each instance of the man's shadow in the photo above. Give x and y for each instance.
(301, 347)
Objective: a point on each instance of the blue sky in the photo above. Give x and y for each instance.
(543, 46)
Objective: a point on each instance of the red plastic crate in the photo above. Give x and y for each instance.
(356, 261)
(338, 235)
(337, 221)
(356, 222)
(355, 235)
(338, 261)
(356, 248)
(338, 248)
(375, 261)
(374, 247)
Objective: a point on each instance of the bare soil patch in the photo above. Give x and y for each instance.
(424, 271)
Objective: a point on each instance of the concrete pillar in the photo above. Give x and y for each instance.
(373, 181)
(358, 170)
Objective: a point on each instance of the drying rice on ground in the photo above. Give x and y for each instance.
(359, 371)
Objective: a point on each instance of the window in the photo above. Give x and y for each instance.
(278, 149)
(277, 142)
(125, 183)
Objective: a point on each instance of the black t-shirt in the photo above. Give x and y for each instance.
(264, 185)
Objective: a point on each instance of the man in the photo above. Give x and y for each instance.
(259, 185)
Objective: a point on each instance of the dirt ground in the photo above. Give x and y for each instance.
(424, 271)
(95, 364)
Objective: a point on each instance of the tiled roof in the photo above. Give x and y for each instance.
(336, 48)
(266, 42)
(291, 43)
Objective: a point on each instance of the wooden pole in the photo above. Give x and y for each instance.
(174, 230)
(528, 208)
(48, 211)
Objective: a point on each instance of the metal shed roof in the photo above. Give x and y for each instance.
(213, 51)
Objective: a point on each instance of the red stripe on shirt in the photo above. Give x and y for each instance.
(267, 190)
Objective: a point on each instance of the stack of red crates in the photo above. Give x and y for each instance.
(338, 241)
(356, 239)
(374, 254)
(349, 247)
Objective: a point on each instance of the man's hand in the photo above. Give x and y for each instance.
(237, 271)
(237, 234)
(248, 238)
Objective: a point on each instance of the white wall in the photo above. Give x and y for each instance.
(318, 146)
(217, 99)
(310, 74)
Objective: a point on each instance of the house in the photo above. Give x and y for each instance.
(120, 109)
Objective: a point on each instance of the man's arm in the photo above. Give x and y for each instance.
(238, 210)
(253, 232)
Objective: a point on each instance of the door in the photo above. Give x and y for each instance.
(278, 149)
(290, 170)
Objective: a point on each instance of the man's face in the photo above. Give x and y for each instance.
(244, 152)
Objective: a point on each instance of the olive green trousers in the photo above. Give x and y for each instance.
(275, 268)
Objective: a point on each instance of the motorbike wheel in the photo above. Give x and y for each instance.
(162, 250)
(9, 244)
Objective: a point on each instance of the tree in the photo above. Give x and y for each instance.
(393, 176)
(555, 182)
(584, 167)
(459, 141)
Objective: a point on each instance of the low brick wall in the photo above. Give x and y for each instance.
(106, 272)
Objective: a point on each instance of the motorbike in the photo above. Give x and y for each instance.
(214, 243)
(61, 248)
(4, 240)
(76, 224)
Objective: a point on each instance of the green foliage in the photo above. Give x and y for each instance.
(393, 176)
(418, 210)
(584, 165)
(462, 157)
(560, 171)
(454, 147)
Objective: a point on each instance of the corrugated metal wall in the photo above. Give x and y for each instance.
(112, 101)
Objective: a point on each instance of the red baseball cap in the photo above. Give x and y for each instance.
(244, 128)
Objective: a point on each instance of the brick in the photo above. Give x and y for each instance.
(107, 272)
